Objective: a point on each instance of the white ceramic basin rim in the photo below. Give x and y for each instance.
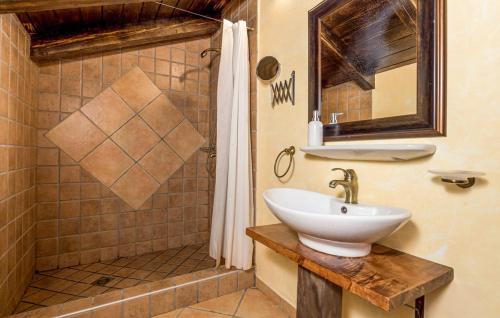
(321, 223)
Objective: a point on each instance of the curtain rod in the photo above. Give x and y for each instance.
(194, 13)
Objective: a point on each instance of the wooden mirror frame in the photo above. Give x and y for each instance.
(430, 119)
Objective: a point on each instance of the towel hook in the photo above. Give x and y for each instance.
(290, 151)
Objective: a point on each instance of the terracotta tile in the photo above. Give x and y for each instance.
(46, 229)
(69, 191)
(228, 284)
(186, 296)
(92, 68)
(72, 87)
(127, 282)
(185, 140)
(136, 89)
(77, 288)
(94, 291)
(52, 284)
(71, 69)
(161, 162)
(109, 222)
(91, 88)
(225, 305)
(162, 302)
(135, 187)
(69, 209)
(70, 104)
(136, 138)
(39, 296)
(46, 247)
(162, 115)
(89, 241)
(48, 83)
(76, 135)
(69, 244)
(107, 162)
(90, 190)
(137, 308)
(112, 311)
(68, 259)
(256, 305)
(193, 313)
(178, 55)
(47, 157)
(69, 174)
(47, 175)
(108, 111)
(56, 299)
(75, 305)
(246, 279)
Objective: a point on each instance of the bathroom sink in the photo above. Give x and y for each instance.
(329, 225)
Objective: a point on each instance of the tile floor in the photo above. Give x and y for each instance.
(249, 303)
(62, 285)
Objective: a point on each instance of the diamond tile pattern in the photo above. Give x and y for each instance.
(108, 111)
(136, 89)
(107, 163)
(185, 140)
(161, 162)
(162, 115)
(136, 138)
(76, 135)
(134, 186)
(117, 137)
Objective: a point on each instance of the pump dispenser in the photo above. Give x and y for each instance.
(315, 130)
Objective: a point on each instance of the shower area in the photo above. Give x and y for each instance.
(108, 159)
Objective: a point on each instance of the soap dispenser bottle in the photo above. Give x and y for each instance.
(315, 131)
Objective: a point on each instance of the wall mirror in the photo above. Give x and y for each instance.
(377, 68)
(268, 68)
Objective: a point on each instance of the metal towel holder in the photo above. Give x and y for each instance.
(290, 151)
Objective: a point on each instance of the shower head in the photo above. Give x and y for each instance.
(205, 52)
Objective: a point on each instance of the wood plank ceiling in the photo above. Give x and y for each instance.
(62, 22)
(67, 28)
(378, 35)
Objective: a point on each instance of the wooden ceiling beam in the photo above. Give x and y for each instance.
(338, 49)
(164, 31)
(16, 6)
(406, 11)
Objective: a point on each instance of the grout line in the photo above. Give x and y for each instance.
(239, 303)
(143, 295)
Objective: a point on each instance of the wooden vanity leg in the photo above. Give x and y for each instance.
(317, 297)
(419, 307)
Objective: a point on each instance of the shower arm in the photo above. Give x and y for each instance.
(205, 52)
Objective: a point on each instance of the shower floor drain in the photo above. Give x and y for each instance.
(103, 280)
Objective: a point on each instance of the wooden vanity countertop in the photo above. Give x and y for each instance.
(387, 278)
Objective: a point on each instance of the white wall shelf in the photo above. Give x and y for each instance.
(372, 152)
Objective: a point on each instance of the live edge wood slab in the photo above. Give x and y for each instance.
(387, 278)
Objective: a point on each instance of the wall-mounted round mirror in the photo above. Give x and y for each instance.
(268, 68)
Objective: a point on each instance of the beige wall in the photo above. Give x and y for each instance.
(452, 226)
(18, 96)
(395, 92)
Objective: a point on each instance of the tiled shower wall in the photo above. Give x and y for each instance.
(349, 99)
(79, 220)
(236, 10)
(18, 96)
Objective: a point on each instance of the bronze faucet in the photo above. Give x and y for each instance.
(350, 184)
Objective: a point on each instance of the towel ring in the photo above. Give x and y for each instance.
(290, 151)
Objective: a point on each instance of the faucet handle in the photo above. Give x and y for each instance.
(346, 174)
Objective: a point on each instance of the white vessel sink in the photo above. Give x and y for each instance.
(322, 225)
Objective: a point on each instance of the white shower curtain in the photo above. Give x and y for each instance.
(233, 199)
